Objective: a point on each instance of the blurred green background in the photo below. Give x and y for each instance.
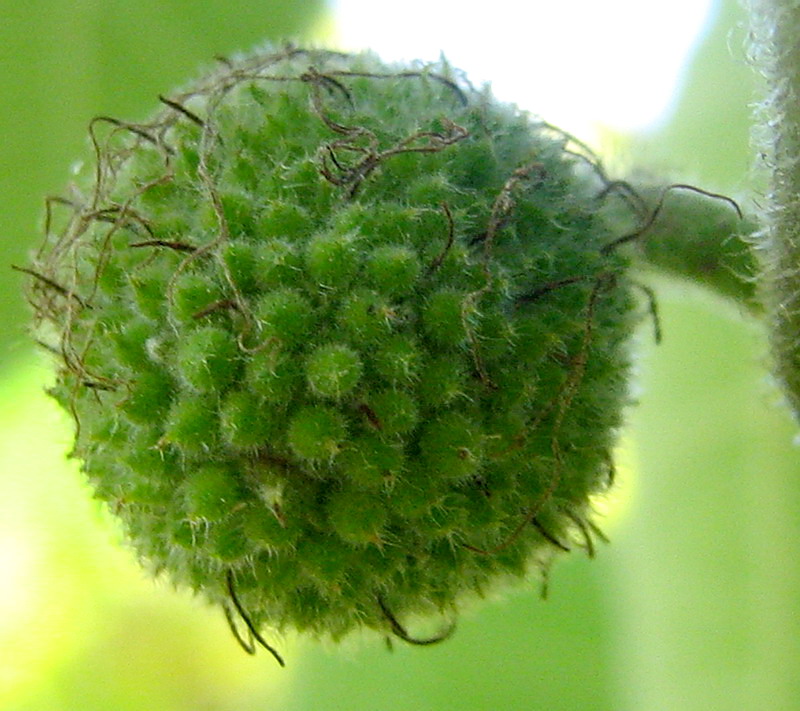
(695, 603)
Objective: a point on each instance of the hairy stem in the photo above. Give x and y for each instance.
(776, 29)
(698, 236)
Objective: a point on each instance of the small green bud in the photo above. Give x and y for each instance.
(333, 259)
(369, 461)
(278, 264)
(392, 270)
(237, 211)
(452, 446)
(211, 492)
(443, 318)
(229, 541)
(325, 560)
(395, 412)
(266, 529)
(333, 370)
(193, 423)
(285, 315)
(241, 260)
(366, 317)
(208, 359)
(150, 396)
(192, 294)
(358, 517)
(131, 344)
(273, 375)
(316, 433)
(413, 496)
(398, 360)
(443, 381)
(284, 221)
(148, 291)
(246, 421)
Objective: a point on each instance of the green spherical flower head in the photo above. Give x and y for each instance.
(344, 340)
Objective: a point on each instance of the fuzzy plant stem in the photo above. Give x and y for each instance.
(748, 520)
(701, 237)
(776, 31)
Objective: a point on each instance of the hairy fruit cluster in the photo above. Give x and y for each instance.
(341, 339)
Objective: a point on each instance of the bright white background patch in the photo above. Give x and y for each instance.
(578, 63)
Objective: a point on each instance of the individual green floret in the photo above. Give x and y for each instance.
(398, 359)
(247, 421)
(366, 317)
(452, 447)
(192, 424)
(392, 269)
(333, 370)
(208, 359)
(445, 317)
(191, 295)
(274, 375)
(443, 381)
(357, 517)
(333, 259)
(316, 433)
(393, 412)
(149, 396)
(211, 492)
(371, 461)
(283, 220)
(284, 316)
(344, 341)
(278, 263)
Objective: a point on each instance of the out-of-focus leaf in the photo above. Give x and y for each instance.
(706, 136)
(519, 653)
(707, 567)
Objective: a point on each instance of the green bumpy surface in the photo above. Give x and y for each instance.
(340, 339)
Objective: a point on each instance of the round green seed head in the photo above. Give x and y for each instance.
(352, 331)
